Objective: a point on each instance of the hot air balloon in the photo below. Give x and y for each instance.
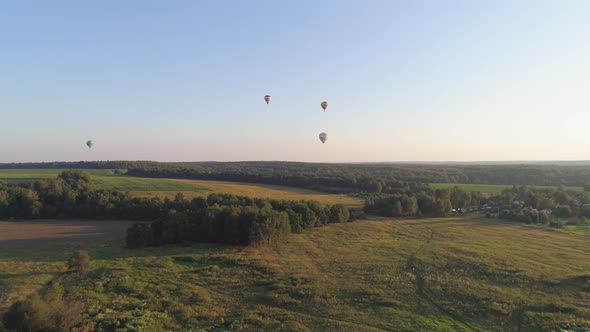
(323, 137)
(324, 105)
(89, 143)
(267, 99)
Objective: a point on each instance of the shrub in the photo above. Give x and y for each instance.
(54, 293)
(564, 211)
(79, 262)
(31, 314)
(339, 213)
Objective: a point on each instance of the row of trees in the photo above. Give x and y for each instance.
(74, 195)
(332, 181)
(235, 220)
(419, 204)
(432, 203)
(372, 178)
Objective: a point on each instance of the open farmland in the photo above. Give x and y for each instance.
(156, 187)
(443, 274)
(492, 188)
(255, 190)
(105, 179)
(31, 174)
(34, 252)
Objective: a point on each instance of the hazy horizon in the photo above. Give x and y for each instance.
(424, 81)
(409, 162)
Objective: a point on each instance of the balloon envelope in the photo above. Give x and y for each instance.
(323, 137)
(324, 105)
(267, 98)
(89, 144)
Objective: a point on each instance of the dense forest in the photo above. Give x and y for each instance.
(235, 220)
(342, 177)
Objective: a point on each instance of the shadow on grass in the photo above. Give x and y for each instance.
(4, 276)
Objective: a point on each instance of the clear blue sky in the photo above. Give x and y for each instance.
(185, 80)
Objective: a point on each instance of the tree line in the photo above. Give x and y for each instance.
(73, 194)
(233, 219)
(428, 202)
(373, 178)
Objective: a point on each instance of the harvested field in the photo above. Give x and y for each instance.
(14, 232)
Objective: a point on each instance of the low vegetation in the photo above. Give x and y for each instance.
(447, 274)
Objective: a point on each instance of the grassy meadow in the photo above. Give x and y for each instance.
(258, 191)
(492, 188)
(445, 274)
(156, 187)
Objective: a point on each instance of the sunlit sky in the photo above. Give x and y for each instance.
(185, 80)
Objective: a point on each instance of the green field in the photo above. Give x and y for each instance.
(263, 191)
(105, 179)
(28, 174)
(447, 274)
(492, 188)
(152, 187)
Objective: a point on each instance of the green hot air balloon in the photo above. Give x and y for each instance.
(89, 143)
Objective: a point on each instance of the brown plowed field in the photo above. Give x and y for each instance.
(30, 232)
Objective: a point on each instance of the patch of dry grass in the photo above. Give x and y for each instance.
(254, 190)
(359, 276)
